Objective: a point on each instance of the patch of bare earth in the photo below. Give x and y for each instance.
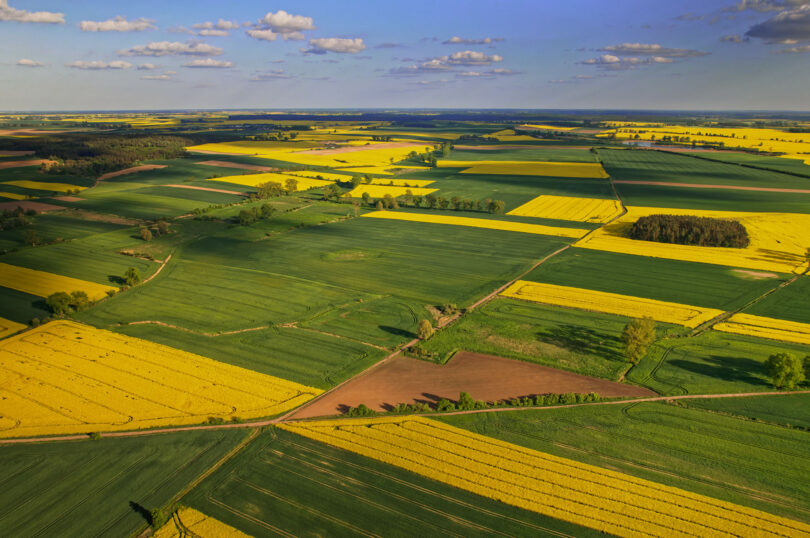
(209, 189)
(15, 132)
(753, 275)
(27, 204)
(484, 377)
(10, 153)
(134, 169)
(19, 164)
(99, 217)
(352, 149)
(67, 198)
(227, 164)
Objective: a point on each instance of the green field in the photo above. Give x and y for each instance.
(779, 164)
(733, 459)
(287, 484)
(101, 488)
(791, 410)
(21, 307)
(582, 342)
(791, 303)
(676, 281)
(53, 227)
(529, 153)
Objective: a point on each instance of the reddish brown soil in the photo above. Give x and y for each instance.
(226, 164)
(224, 191)
(7, 153)
(27, 204)
(485, 377)
(14, 132)
(704, 186)
(132, 170)
(18, 164)
(351, 149)
(67, 198)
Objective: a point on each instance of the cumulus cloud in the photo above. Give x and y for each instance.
(219, 29)
(118, 24)
(172, 48)
(164, 76)
(290, 27)
(146, 66)
(471, 57)
(212, 32)
(25, 62)
(651, 49)
(264, 35)
(733, 38)
(8, 13)
(794, 50)
(456, 40)
(764, 6)
(466, 58)
(617, 63)
(209, 63)
(787, 27)
(98, 65)
(273, 74)
(181, 30)
(334, 44)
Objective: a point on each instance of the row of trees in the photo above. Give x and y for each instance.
(690, 230)
(430, 201)
(17, 218)
(161, 227)
(254, 214)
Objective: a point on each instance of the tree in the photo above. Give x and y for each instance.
(59, 302)
(79, 300)
(356, 180)
(806, 364)
(246, 217)
(132, 276)
(388, 200)
(366, 198)
(425, 330)
(270, 189)
(637, 337)
(163, 227)
(267, 211)
(291, 185)
(784, 370)
(380, 205)
(158, 518)
(497, 206)
(31, 237)
(146, 235)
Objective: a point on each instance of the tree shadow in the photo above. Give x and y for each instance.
(739, 369)
(397, 331)
(583, 340)
(140, 510)
(117, 280)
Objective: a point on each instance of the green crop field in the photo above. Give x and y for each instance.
(792, 410)
(530, 153)
(778, 164)
(101, 488)
(56, 226)
(791, 303)
(286, 484)
(729, 458)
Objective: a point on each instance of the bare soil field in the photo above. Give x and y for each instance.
(67, 198)
(192, 187)
(132, 170)
(9, 153)
(704, 186)
(15, 132)
(226, 164)
(18, 164)
(352, 149)
(27, 204)
(485, 377)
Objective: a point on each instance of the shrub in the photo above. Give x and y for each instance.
(784, 370)
(425, 330)
(445, 405)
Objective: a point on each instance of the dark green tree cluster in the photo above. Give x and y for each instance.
(16, 218)
(786, 371)
(690, 230)
(361, 410)
(637, 337)
(63, 303)
(255, 214)
(431, 201)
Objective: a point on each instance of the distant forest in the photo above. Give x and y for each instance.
(690, 230)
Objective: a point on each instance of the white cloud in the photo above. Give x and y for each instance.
(651, 49)
(25, 62)
(209, 63)
(118, 24)
(334, 44)
(456, 40)
(8, 13)
(274, 74)
(471, 57)
(282, 22)
(794, 50)
(181, 30)
(97, 65)
(164, 76)
(764, 6)
(210, 32)
(448, 63)
(788, 27)
(172, 48)
(264, 35)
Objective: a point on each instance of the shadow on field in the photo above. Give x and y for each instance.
(580, 339)
(723, 367)
(140, 510)
(396, 331)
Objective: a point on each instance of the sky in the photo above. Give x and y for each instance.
(575, 54)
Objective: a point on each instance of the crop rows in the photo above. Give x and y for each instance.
(774, 329)
(570, 208)
(190, 522)
(42, 284)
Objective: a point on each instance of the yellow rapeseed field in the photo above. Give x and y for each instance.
(546, 127)
(479, 223)
(605, 500)
(528, 168)
(44, 185)
(570, 208)
(67, 378)
(610, 303)
(779, 241)
(13, 195)
(8, 327)
(378, 191)
(188, 522)
(773, 329)
(254, 180)
(42, 284)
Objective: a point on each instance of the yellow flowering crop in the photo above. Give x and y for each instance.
(254, 180)
(773, 329)
(13, 195)
(43, 185)
(8, 327)
(65, 377)
(188, 522)
(610, 303)
(43, 284)
(605, 500)
(570, 208)
(528, 168)
(378, 191)
(491, 224)
(779, 241)
(546, 127)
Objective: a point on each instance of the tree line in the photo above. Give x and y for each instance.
(691, 230)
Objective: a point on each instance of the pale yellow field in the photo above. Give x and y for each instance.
(610, 303)
(378, 191)
(13, 195)
(546, 127)
(528, 168)
(188, 522)
(779, 241)
(69, 378)
(44, 186)
(254, 180)
(479, 223)
(8, 327)
(602, 499)
(773, 329)
(570, 208)
(515, 138)
(402, 182)
(316, 174)
(42, 284)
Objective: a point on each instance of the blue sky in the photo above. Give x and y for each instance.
(179, 54)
